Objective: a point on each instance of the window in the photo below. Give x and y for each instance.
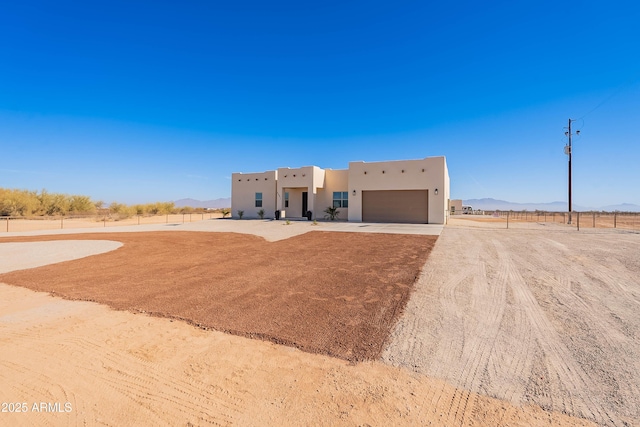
(340, 199)
(286, 199)
(258, 200)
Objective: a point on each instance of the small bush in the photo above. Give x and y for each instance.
(261, 213)
(332, 213)
(240, 214)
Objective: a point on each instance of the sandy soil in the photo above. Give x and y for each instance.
(48, 223)
(116, 368)
(332, 293)
(546, 316)
(119, 368)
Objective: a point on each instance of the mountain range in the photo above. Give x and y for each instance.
(489, 204)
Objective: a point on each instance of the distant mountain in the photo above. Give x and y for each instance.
(623, 207)
(489, 204)
(216, 203)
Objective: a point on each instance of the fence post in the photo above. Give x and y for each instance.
(615, 219)
(7, 224)
(507, 220)
(578, 215)
(594, 220)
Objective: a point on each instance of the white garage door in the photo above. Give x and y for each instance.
(408, 206)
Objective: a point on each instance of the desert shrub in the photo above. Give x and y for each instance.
(81, 204)
(138, 209)
(18, 202)
(240, 214)
(54, 203)
(225, 212)
(261, 213)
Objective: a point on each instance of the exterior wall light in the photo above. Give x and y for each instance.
(436, 192)
(354, 192)
(365, 172)
(382, 171)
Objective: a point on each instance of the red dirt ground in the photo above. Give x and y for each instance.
(332, 293)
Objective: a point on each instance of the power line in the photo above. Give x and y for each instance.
(625, 85)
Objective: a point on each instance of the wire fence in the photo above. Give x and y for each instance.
(578, 220)
(18, 223)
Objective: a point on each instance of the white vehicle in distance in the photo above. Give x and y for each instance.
(467, 210)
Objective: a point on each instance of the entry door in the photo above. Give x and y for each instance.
(305, 196)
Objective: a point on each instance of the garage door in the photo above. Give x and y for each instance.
(411, 206)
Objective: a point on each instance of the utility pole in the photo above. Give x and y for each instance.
(567, 151)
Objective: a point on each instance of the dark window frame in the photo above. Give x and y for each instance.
(341, 199)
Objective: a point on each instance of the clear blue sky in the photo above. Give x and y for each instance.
(152, 101)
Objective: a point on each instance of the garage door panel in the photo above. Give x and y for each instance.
(404, 206)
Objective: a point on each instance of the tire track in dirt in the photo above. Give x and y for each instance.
(559, 359)
(512, 349)
(116, 374)
(534, 317)
(604, 345)
(470, 308)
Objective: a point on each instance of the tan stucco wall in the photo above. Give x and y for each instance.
(334, 180)
(296, 181)
(429, 174)
(426, 174)
(244, 187)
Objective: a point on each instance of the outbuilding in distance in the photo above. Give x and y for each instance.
(400, 191)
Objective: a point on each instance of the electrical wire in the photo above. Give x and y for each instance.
(625, 85)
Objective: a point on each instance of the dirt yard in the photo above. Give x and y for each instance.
(115, 368)
(332, 293)
(546, 316)
(518, 327)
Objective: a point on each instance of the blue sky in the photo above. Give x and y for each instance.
(151, 101)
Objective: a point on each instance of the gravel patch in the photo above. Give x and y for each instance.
(545, 317)
(24, 255)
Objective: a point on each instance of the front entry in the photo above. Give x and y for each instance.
(305, 196)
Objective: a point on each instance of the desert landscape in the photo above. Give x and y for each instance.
(224, 322)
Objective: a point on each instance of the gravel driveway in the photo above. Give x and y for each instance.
(534, 316)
